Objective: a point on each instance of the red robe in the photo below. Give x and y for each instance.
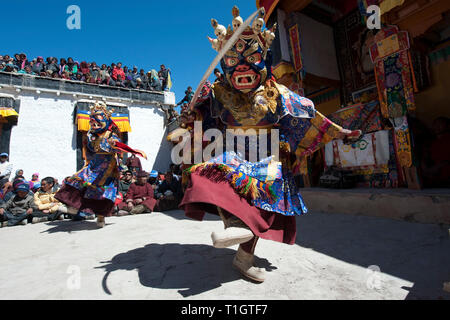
(140, 191)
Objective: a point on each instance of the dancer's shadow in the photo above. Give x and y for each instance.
(197, 267)
(72, 226)
(180, 215)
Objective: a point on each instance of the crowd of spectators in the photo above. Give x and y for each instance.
(89, 72)
(25, 201)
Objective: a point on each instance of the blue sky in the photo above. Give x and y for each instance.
(142, 33)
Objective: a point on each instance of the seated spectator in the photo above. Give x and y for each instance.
(144, 79)
(78, 77)
(5, 169)
(66, 75)
(176, 171)
(27, 70)
(63, 67)
(6, 58)
(48, 208)
(139, 198)
(118, 71)
(154, 81)
(125, 182)
(10, 67)
(34, 179)
(36, 187)
(19, 173)
(170, 193)
(105, 76)
(19, 208)
(8, 189)
(52, 68)
(119, 81)
(72, 67)
(56, 186)
(134, 74)
(39, 67)
(153, 180)
(84, 68)
(21, 61)
(95, 72)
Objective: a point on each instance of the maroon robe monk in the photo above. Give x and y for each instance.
(139, 194)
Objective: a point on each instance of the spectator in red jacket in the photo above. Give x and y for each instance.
(118, 71)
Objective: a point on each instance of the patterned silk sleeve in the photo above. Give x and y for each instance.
(303, 136)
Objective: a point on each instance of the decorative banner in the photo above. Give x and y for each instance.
(403, 141)
(394, 74)
(8, 112)
(296, 49)
(121, 120)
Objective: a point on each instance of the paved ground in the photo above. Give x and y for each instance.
(167, 256)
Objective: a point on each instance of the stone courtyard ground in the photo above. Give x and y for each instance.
(168, 256)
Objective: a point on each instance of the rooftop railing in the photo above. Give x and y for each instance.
(70, 86)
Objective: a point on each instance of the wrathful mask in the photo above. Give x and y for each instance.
(100, 118)
(248, 64)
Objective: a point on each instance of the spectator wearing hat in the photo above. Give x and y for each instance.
(20, 207)
(139, 198)
(5, 169)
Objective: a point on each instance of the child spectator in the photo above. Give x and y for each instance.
(34, 179)
(20, 207)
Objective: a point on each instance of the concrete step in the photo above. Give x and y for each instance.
(424, 206)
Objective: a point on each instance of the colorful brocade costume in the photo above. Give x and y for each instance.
(260, 196)
(93, 189)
